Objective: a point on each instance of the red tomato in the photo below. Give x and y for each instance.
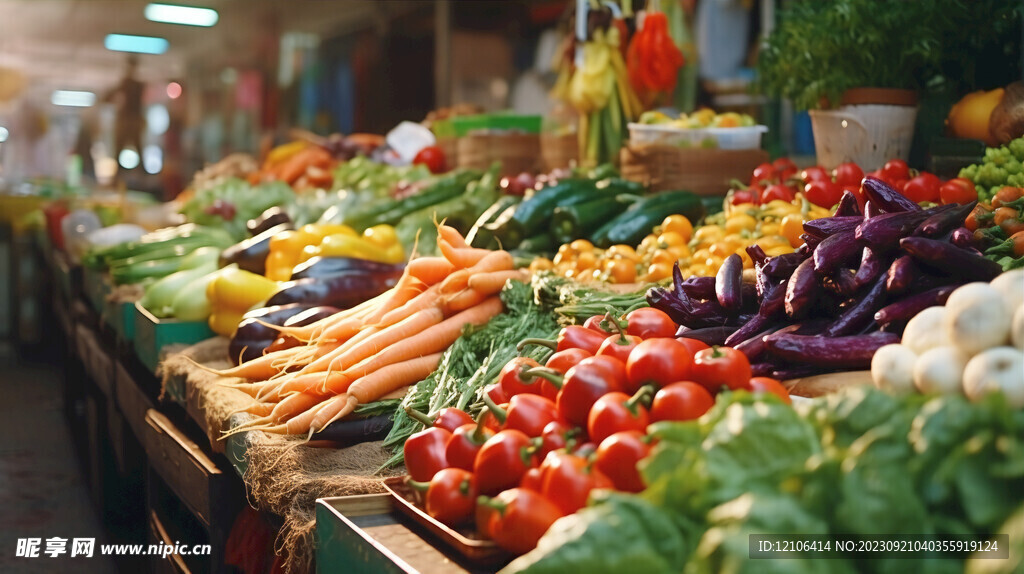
(924, 187)
(763, 172)
(562, 361)
(556, 435)
(450, 419)
(465, 443)
(425, 453)
(769, 385)
(615, 412)
(530, 414)
(648, 322)
(512, 380)
(823, 193)
(524, 517)
(959, 190)
(451, 496)
(496, 393)
(896, 169)
(532, 480)
(432, 157)
(618, 346)
(502, 461)
(849, 174)
(742, 196)
(816, 173)
(778, 191)
(694, 345)
(594, 323)
(681, 401)
(785, 168)
(720, 366)
(588, 381)
(659, 361)
(617, 457)
(568, 479)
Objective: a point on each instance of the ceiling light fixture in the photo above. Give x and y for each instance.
(137, 44)
(72, 98)
(185, 15)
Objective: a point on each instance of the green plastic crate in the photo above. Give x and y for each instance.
(500, 121)
(152, 335)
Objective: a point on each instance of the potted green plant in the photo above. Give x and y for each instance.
(858, 65)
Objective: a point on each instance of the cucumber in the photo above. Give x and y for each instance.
(533, 214)
(489, 215)
(538, 244)
(630, 227)
(576, 221)
(487, 237)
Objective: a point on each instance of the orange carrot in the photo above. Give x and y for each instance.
(332, 410)
(462, 300)
(295, 404)
(398, 393)
(452, 236)
(462, 257)
(456, 281)
(386, 379)
(324, 383)
(424, 300)
(320, 328)
(433, 340)
(299, 424)
(395, 334)
(430, 270)
(493, 282)
(322, 362)
(259, 369)
(408, 287)
(493, 261)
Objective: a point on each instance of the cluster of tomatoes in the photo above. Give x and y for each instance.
(551, 434)
(782, 180)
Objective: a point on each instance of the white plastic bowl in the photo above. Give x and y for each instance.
(709, 138)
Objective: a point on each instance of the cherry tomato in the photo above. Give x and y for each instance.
(896, 169)
(682, 401)
(720, 366)
(588, 381)
(617, 457)
(451, 496)
(425, 453)
(568, 479)
(784, 168)
(512, 380)
(778, 191)
(579, 337)
(659, 361)
(489, 420)
(532, 480)
(450, 419)
(594, 323)
(900, 185)
(557, 434)
(502, 461)
(823, 193)
(742, 196)
(530, 414)
(763, 172)
(432, 157)
(618, 346)
(816, 173)
(465, 443)
(562, 361)
(496, 393)
(693, 345)
(924, 187)
(648, 322)
(769, 385)
(616, 412)
(519, 519)
(959, 190)
(849, 173)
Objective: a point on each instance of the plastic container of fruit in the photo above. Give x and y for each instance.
(707, 138)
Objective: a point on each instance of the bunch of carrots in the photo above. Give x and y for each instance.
(369, 352)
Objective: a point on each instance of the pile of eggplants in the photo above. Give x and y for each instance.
(254, 337)
(340, 282)
(849, 290)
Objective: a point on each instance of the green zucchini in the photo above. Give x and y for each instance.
(577, 221)
(534, 214)
(489, 215)
(644, 216)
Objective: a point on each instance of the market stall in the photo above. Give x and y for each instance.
(666, 353)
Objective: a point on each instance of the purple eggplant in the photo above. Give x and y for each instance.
(699, 287)
(253, 335)
(272, 217)
(843, 282)
(757, 255)
(728, 283)
(962, 238)
(773, 303)
(344, 290)
(861, 313)
(871, 266)
(901, 274)
(325, 266)
(310, 315)
(945, 221)
(753, 347)
(801, 290)
(709, 335)
(686, 311)
(346, 432)
(762, 369)
(886, 197)
(251, 254)
(810, 241)
(951, 259)
(752, 327)
(828, 226)
(836, 251)
(782, 266)
(848, 205)
(885, 231)
(872, 211)
(907, 307)
(853, 352)
(791, 372)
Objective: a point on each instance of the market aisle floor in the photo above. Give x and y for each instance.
(42, 488)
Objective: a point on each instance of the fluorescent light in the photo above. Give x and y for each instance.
(137, 44)
(187, 15)
(128, 158)
(3, 134)
(73, 98)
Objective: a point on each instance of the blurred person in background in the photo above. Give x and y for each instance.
(127, 96)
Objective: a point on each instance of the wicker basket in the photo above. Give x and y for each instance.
(702, 171)
(516, 152)
(559, 150)
(451, 150)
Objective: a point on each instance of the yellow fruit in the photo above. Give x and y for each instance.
(792, 227)
(670, 238)
(778, 250)
(622, 271)
(622, 251)
(723, 248)
(739, 222)
(581, 245)
(680, 252)
(678, 224)
(659, 271)
(541, 264)
(586, 260)
(701, 254)
(970, 116)
(709, 234)
(664, 256)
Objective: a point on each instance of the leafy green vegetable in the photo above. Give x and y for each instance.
(244, 201)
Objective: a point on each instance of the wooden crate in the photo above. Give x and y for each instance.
(131, 400)
(702, 171)
(152, 335)
(516, 152)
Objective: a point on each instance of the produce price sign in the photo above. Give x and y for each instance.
(910, 546)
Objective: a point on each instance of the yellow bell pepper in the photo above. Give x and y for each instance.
(238, 290)
(322, 230)
(378, 243)
(225, 322)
